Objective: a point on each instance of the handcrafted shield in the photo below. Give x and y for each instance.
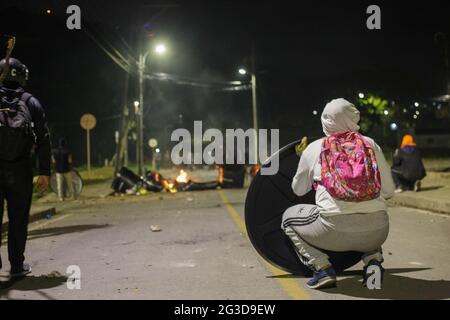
(267, 199)
(76, 180)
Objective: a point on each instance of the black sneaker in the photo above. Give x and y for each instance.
(21, 271)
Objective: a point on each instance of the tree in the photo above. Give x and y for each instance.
(373, 110)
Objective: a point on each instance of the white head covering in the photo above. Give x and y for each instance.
(338, 116)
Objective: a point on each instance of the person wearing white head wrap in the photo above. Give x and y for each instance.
(333, 224)
(339, 116)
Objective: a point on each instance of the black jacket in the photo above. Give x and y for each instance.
(408, 163)
(43, 149)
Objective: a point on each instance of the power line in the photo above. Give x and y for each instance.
(179, 80)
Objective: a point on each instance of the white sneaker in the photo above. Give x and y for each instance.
(399, 190)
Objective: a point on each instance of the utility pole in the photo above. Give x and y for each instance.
(140, 131)
(160, 50)
(122, 145)
(254, 104)
(141, 67)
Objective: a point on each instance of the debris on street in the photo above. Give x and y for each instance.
(155, 228)
(54, 274)
(127, 182)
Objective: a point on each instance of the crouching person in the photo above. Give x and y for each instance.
(407, 166)
(352, 180)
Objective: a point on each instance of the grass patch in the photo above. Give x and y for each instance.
(98, 174)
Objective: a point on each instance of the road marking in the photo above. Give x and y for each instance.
(37, 225)
(290, 286)
(51, 220)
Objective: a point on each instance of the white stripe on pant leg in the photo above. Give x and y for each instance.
(294, 239)
(375, 255)
(314, 257)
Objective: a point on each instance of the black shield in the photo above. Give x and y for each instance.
(267, 199)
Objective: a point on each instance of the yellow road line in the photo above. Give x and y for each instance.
(289, 285)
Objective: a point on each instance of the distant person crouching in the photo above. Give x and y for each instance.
(407, 166)
(62, 160)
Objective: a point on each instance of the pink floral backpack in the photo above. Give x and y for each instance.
(349, 168)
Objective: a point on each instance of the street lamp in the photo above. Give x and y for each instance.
(160, 49)
(361, 95)
(136, 113)
(243, 71)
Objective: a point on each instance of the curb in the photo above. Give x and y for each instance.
(34, 216)
(436, 175)
(422, 203)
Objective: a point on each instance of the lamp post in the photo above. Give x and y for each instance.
(136, 112)
(160, 49)
(254, 110)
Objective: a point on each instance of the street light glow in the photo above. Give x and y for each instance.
(386, 112)
(393, 126)
(242, 71)
(361, 95)
(136, 104)
(416, 104)
(160, 49)
(315, 112)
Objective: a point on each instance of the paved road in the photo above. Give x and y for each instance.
(202, 253)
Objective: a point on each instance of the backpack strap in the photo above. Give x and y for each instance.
(26, 97)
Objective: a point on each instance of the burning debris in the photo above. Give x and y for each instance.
(182, 177)
(127, 182)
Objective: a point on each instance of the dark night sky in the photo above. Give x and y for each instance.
(307, 52)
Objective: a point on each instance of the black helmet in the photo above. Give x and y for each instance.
(18, 72)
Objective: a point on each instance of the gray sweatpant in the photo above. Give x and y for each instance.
(310, 232)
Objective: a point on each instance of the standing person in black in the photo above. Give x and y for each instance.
(23, 129)
(407, 166)
(63, 167)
